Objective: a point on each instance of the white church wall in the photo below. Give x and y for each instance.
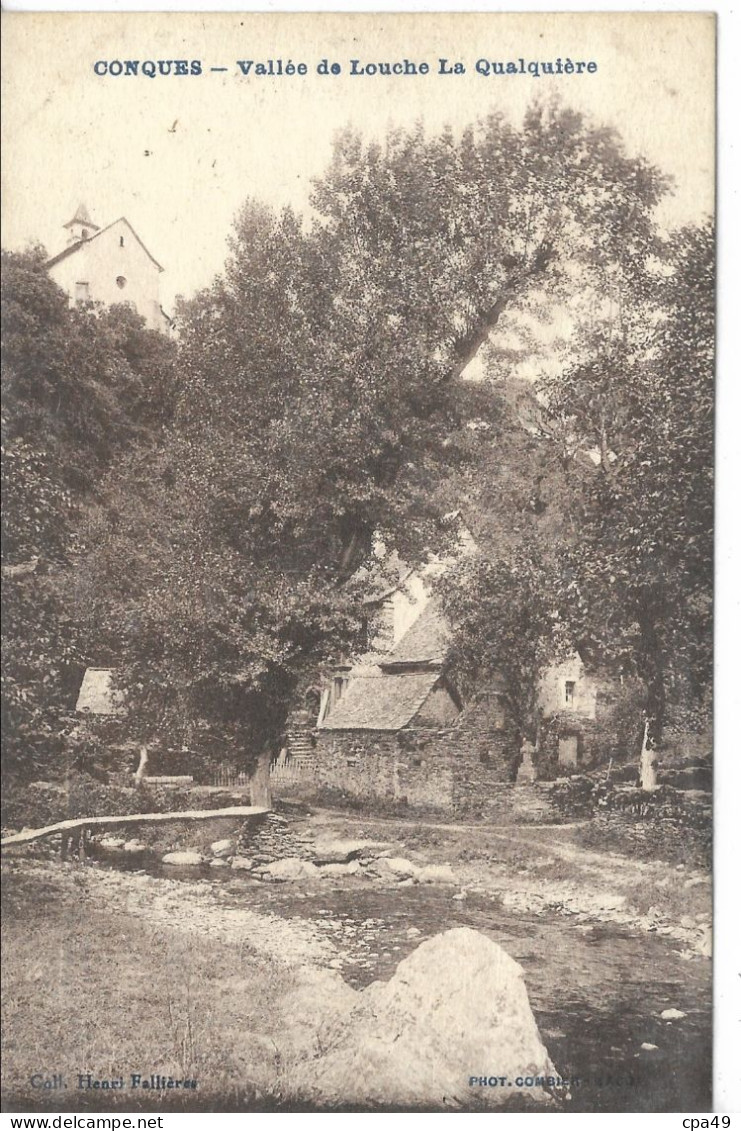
(116, 269)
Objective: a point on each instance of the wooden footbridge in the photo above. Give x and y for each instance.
(83, 827)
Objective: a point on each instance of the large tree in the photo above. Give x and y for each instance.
(640, 396)
(320, 400)
(507, 611)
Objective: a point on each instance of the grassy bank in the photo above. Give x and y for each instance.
(92, 990)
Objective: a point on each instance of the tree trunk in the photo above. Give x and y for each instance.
(349, 554)
(143, 759)
(652, 667)
(260, 782)
(648, 760)
(469, 344)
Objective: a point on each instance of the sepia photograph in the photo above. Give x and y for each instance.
(358, 404)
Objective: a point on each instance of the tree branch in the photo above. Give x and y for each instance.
(469, 343)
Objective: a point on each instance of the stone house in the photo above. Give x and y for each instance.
(109, 265)
(392, 726)
(392, 729)
(397, 688)
(588, 714)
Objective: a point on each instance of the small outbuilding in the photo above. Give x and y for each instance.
(98, 696)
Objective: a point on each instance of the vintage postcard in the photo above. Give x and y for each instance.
(358, 393)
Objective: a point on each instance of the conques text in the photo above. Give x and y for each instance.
(288, 68)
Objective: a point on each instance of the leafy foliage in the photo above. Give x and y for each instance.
(78, 382)
(80, 387)
(509, 626)
(320, 400)
(213, 508)
(643, 398)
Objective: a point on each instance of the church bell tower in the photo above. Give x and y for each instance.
(80, 227)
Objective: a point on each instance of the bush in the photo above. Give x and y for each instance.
(44, 803)
(666, 823)
(574, 797)
(41, 803)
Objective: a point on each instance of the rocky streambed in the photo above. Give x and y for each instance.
(281, 850)
(600, 981)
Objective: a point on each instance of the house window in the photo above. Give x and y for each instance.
(120, 281)
(568, 692)
(85, 233)
(82, 292)
(120, 241)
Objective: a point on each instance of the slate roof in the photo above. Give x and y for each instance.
(381, 701)
(97, 695)
(425, 642)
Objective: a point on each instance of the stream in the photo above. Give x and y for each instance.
(597, 991)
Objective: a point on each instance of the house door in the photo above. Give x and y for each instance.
(568, 750)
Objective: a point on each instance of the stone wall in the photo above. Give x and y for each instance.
(457, 769)
(665, 824)
(407, 768)
(486, 758)
(506, 803)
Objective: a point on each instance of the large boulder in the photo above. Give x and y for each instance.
(221, 848)
(315, 999)
(456, 1012)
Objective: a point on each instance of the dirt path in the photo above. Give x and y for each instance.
(507, 833)
(585, 858)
